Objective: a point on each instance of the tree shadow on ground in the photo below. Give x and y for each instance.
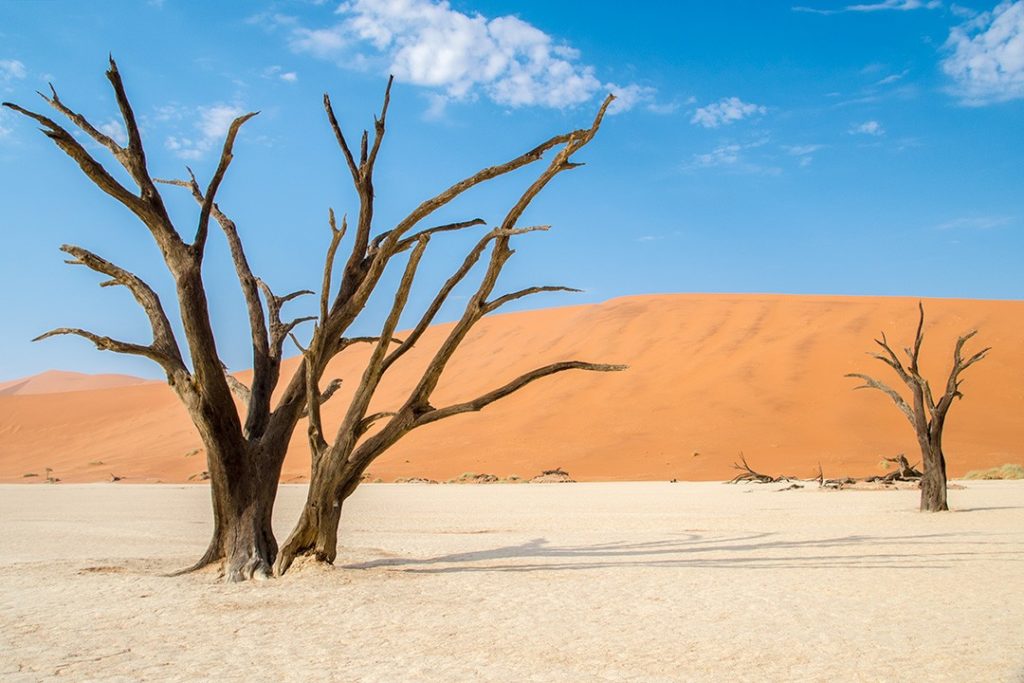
(761, 550)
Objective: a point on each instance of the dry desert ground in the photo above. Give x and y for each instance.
(572, 582)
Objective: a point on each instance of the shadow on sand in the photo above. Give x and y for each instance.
(751, 551)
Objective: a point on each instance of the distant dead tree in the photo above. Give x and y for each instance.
(245, 455)
(927, 416)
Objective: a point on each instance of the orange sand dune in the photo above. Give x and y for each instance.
(710, 376)
(58, 381)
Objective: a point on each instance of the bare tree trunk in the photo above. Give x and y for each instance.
(316, 533)
(933, 481)
(243, 492)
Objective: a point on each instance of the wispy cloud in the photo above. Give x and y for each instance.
(458, 56)
(734, 157)
(725, 111)
(319, 42)
(976, 223)
(5, 130)
(211, 125)
(803, 153)
(11, 70)
(868, 128)
(986, 60)
(892, 78)
(278, 72)
(885, 5)
(114, 129)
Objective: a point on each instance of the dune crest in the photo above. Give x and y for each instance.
(710, 375)
(62, 381)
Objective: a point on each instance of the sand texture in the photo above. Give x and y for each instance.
(710, 376)
(559, 582)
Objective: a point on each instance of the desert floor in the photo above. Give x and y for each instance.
(605, 581)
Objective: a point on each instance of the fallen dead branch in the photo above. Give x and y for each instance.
(904, 473)
(747, 473)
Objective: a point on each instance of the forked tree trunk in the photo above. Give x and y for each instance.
(245, 454)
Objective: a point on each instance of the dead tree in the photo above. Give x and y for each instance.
(338, 466)
(748, 474)
(926, 415)
(904, 470)
(245, 452)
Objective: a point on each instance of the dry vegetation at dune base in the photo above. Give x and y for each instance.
(577, 582)
(1007, 471)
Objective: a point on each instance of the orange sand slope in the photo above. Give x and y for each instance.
(58, 381)
(710, 376)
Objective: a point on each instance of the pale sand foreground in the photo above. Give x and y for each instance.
(617, 581)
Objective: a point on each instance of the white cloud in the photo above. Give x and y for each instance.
(899, 5)
(892, 78)
(724, 155)
(963, 12)
(11, 70)
(725, 111)
(114, 130)
(803, 153)
(4, 129)
(732, 156)
(321, 42)
(629, 96)
(987, 60)
(215, 120)
(462, 56)
(279, 72)
(802, 150)
(212, 126)
(663, 108)
(976, 223)
(868, 128)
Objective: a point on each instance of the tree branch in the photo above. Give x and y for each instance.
(92, 168)
(199, 243)
(340, 137)
(412, 239)
(502, 300)
(164, 342)
(279, 330)
(872, 383)
(515, 385)
(120, 153)
(378, 125)
(108, 344)
(336, 237)
(241, 392)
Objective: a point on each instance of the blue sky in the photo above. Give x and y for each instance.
(821, 148)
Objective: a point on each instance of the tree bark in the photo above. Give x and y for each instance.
(933, 481)
(243, 489)
(316, 533)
